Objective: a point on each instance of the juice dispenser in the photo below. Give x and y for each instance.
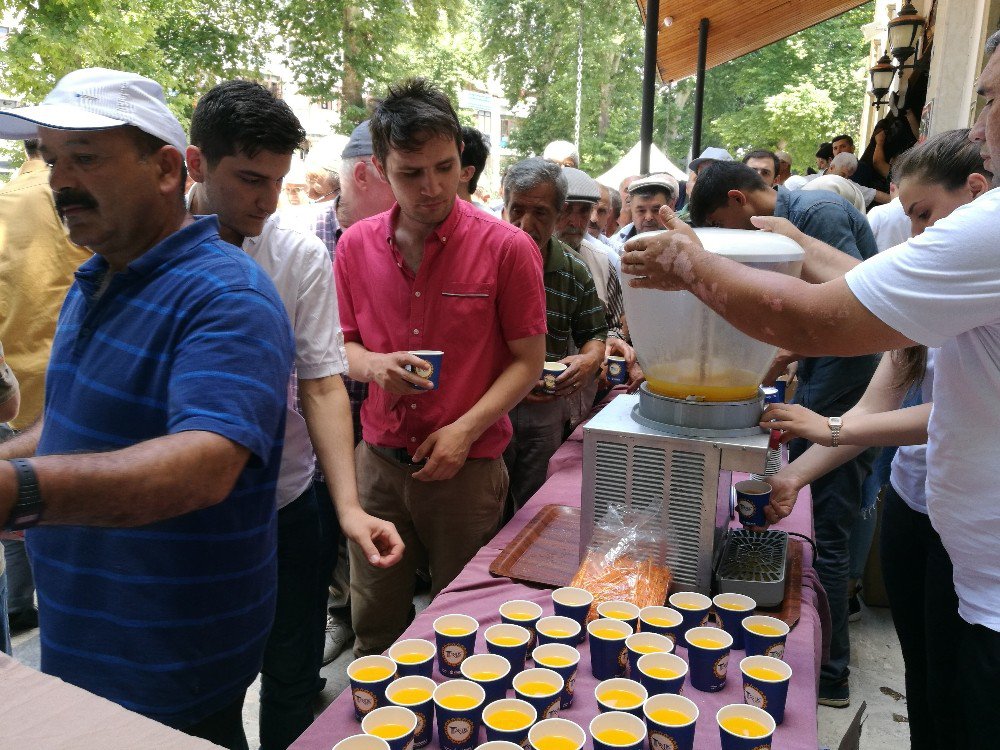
(672, 447)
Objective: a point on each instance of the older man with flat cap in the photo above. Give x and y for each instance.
(534, 199)
(149, 479)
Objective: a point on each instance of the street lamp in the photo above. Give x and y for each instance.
(881, 75)
(903, 31)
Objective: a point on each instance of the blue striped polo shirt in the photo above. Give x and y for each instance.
(167, 619)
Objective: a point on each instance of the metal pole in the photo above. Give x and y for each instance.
(699, 90)
(648, 84)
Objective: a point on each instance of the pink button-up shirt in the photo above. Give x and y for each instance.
(479, 286)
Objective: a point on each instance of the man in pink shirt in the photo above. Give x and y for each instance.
(433, 273)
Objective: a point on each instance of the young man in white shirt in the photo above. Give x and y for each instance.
(242, 141)
(939, 289)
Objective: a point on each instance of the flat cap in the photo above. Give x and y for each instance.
(582, 187)
(360, 143)
(657, 180)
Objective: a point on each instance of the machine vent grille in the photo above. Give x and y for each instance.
(610, 473)
(649, 469)
(687, 479)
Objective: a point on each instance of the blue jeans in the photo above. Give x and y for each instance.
(294, 652)
(837, 503)
(20, 581)
(4, 628)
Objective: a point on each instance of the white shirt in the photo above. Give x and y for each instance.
(908, 474)
(942, 289)
(299, 265)
(595, 255)
(890, 224)
(849, 191)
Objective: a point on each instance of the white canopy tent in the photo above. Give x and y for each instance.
(629, 165)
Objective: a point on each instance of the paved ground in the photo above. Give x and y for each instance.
(876, 677)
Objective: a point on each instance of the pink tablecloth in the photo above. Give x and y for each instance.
(475, 592)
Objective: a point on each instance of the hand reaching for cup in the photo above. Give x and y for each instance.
(796, 421)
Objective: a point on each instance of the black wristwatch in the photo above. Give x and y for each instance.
(27, 510)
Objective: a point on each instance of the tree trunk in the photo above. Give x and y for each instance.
(352, 94)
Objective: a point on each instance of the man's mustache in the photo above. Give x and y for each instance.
(77, 198)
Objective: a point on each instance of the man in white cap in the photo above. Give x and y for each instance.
(150, 476)
(646, 196)
(562, 153)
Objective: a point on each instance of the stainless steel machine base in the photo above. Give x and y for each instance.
(699, 419)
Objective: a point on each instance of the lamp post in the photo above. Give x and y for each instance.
(881, 74)
(903, 31)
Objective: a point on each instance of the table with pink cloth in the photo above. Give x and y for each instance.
(475, 592)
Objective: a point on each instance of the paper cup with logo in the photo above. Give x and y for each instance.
(499, 745)
(542, 688)
(620, 694)
(617, 370)
(694, 609)
(608, 655)
(394, 724)
(362, 742)
(765, 684)
(370, 676)
(558, 629)
(456, 640)
(743, 727)
(732, 609)
(564, 661)
(459, 708)
(574, 603)
(620, 610)
(752, 496)
(417, 694)
(617, 730)
(640, 644)
(550, 372)
(509, 719)
(414, 656)
(432, 373)
(524, 613)
(510, 642)
(670, 721)
(662, 673)
(764, 636)
(491, 671)
(662, 621)
(561, 728)
(708, 658)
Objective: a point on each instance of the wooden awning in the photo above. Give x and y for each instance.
(736, 27)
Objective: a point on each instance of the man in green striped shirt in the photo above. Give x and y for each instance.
(534, 199)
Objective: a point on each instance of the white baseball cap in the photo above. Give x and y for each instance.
(98, 99)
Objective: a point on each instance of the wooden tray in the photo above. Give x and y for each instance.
(546, 551)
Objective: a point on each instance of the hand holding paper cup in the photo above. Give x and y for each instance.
(752, 497)
(550, 372)
(431, 370)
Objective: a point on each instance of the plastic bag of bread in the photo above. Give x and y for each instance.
(623, 561)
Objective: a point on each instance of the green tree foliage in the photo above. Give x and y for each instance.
(532, 46)
(185, 45)
(793, 94)
(359, 47)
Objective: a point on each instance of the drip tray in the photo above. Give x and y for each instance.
(753, 563)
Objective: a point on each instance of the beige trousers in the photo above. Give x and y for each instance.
(443, 525)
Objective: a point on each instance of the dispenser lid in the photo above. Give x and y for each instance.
(750, 245)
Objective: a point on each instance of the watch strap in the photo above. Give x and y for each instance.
(27, 510)
(835, 424)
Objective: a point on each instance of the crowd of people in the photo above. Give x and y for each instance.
(208, 397)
